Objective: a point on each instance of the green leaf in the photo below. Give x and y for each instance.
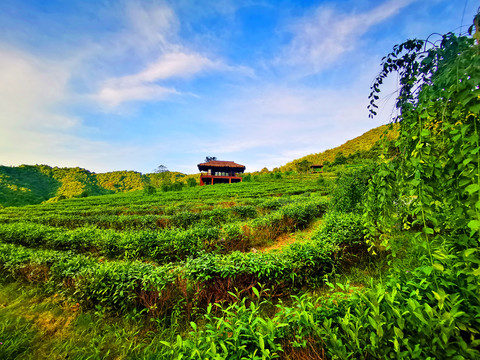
(261, 342)
(427, 230)
(474, 225)
(469, 252)
(475, 108)
(425, 132)
(225, 351)
(438, 267)
(472, 188)
(396, 346)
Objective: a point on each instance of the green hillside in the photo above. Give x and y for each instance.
(34, 184)
(363, 146)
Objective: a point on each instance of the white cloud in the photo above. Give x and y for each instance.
(28, 87)
(323, 37)
(35, 129)
(152, 32)
(114, 96)
(142, 86)
(150, 27)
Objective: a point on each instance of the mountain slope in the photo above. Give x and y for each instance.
(363, 145)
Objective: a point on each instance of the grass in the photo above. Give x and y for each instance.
(289, 238)
(33, 327)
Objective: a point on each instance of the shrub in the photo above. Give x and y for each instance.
(342, 228)
(351, 189)
(340, 159)
(149, 189)
(238, 332)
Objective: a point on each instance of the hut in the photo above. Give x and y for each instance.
(220, 172)
(317, 168)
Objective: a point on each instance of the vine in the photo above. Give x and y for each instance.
(429, 193)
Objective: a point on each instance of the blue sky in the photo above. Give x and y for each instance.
(129, 85)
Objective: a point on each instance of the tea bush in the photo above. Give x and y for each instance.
(342, 228)
(351, 188)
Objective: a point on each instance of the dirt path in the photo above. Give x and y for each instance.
(289, 238)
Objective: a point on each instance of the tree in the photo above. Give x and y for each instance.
(210, 158)
(340, 159)
(303, 166)
(160, 169)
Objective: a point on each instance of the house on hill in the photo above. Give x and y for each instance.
(317, 168)
(220, 172)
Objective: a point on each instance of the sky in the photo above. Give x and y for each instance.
(112, 85)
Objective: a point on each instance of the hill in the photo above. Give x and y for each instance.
(364, 146)
(34, 184)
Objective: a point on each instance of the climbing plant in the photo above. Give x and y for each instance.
(429, 192)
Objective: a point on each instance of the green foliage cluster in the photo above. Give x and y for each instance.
(431, 189)
(17, 336)
(238, 332)
(350, 190)
(366, 146)
(125, 285)
(346, 229)
(33, 184)
(189, 232)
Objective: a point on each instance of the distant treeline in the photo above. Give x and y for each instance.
(33, 184)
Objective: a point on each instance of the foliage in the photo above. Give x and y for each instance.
(432, 189)
(160, 169)
(17, 336)
(343, 228)
(149, 189)
(303, 166)
(191, 182)
(239, 332)
(33, 184)
(210, 158)
(340, 159)
(365, 145)
(350, 190)
(176, 186)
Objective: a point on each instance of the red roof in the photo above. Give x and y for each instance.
(218, 163)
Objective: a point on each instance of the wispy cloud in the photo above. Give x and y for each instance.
(323, 37)
(143, 85)
(154, 31)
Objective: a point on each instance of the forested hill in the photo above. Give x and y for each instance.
(33, 184)
(363, 146)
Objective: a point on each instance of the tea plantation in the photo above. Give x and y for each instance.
(376, 261)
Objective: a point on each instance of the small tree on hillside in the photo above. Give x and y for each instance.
(160, 169)
(210, 158)
(303, 166)
(340, 159)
